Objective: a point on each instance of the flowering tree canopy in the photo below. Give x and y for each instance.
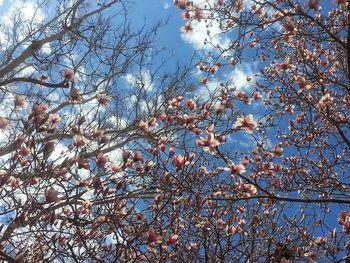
(110, 155)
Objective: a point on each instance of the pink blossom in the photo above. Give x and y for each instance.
(144, 126)
(209, 143)
(198, 14)
(314, 4)
(321, 240)
(20, 101)
(340, 2)
(289, 26)
(74, 95)
(325, 102)
(83, 163)
(68, 74)
(201, 66)
(256, 95)
(4, 123)
(235, 169)
(103, 100)
(247, 123)
(191, 104)
(204, 80)
(187, 28)
(51, 195)
(212, 70)
(42, 78)
(138, 156)
(163, 117)
(344, 220)
(80, 141)
(101, 160)
(172, 240)
(24, 150)
(180, 161)
(303, 84)
(54, 118)
(180, 4)
(286, 66)
(154, 237)
(116, 168)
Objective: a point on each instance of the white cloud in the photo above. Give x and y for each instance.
(25, 13)
(205, 91)
(206, 34)
(239, 76)
(143, 80)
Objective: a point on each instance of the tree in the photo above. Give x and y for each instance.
(96, 171)
(300, 165)
(75, 83)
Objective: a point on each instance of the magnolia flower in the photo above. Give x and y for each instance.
(101, 160)
(144, 126)
(314, 4)
(286, 66)
(163, 117)
(42, 78)
(180, 3)
(20, 101)
(103, 100)
(235, 169)
(74, 95)
(24, 150)
(147, 125)
(187, 28)
(204, 80)
(303, 84)
(278, 151)
(247, 123)
(186, 15)
(116, 168)
(212, 70)
(256, 95)
(344, 220)
(277, 15)
(80, 141)
(191, 104)
(154, 237)
(138, 157)
(54, 118)
(340, 2)
(172, 240)
(201, 66)
(244, 97)
(51, 195)
(180, 161)
(289, 26)
(321, 240)
(325, 102)
(209, 143)
(68, 74)
(247, 190)
(4, 123)
(83, 163)
(198, 14)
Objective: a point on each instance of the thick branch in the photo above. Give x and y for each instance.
(63, 84)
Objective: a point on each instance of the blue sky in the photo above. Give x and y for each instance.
(182, 47)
